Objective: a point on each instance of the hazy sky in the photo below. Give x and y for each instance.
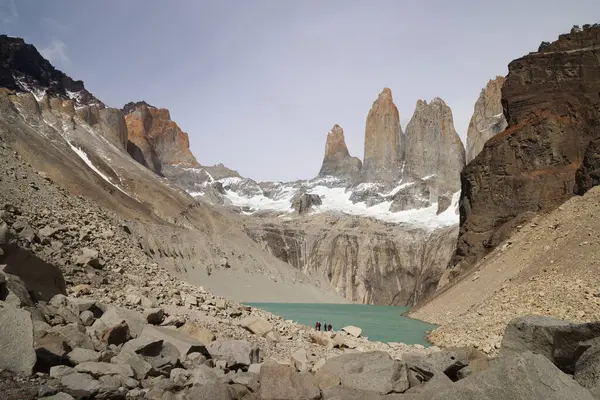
(257, 84)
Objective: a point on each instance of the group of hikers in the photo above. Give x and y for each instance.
(325, 326)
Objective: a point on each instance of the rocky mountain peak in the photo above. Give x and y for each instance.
(23, 69)
(337, 160)
(383, 140)
(488, 118)
(432, 146)
(154, 140)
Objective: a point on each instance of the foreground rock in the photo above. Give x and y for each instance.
(16, 340)
(281, 382)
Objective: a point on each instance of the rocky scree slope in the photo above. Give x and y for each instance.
(549, 266)
(83, 148)
(548, 151)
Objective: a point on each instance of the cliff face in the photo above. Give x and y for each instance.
(364, 260)
(552, 105)
(154, 140)
(383, 141)
(337, 160)
(488, 118)
(432, 146)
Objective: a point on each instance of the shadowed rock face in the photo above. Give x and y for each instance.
(383, 140)
(488, 118)
(432, 145)
(551, 101)
(337, 161)
(154, 140)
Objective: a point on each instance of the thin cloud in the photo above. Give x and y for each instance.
(8, 12)
(54, 25)
(56, 54)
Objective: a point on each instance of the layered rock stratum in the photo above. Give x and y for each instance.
(488, 118)
(432, 146)
(551, 103)
(383, 141)
(337, 160)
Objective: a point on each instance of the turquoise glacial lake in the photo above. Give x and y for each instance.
(378, 323)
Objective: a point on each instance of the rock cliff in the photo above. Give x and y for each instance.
(337, 160)
(154, 140)
(367, 261)
(383, 141)
(488, 118)
(552, 105)
(432, 146)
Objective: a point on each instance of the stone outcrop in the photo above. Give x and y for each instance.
(488, 118)
(337, 160)
(365, 260)
(383, 141)
(432, 146)
(551, 102)
(154, 140)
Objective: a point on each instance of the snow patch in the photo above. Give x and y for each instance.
(87, 160)
(397, 189)
(37, 93)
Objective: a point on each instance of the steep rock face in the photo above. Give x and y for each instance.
(432, 145)
(488, 118)
(22, 68)
(383, 141)
(552, 104)
(337, 161)
(154, 140)
(366, 261)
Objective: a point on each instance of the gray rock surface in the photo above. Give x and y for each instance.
(16, 340)
(432, 146)
(215, 391)
(556, 339)
(488, 117)
(373, 371)
(236, 353)
(587, 368)
(281, 382)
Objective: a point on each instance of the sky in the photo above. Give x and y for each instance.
(257, 84)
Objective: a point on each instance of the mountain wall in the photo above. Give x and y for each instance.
(552, 105)
(154, 140)
(367, 261)
(432, 146)
(488, 117)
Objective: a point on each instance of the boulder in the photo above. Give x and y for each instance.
(352, 330)
(202, 335)
(162, 356)
(58, 371)
(80, 385)
(13, 291)
(79, 355)
(154, 316)
(555, 339)
(587, 368)
(300, 360)
(214, 391)
(16, 340)
(256, 325)
(344, 393)
(374, 371)
(42, 280)
(101, 368)
(51, 349)
(141, 368)
(60, 396)
(281, 382)
(204, 375)
(237, 353)
(88, 257)
(425, 366)
(516, 376)
(193, 360)
(183, 342)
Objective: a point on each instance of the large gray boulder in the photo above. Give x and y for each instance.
(373, 371)
(557, 340)
(587, 368)
(185, 343)
(517, 377)
(213, 391)
(141, 368)
(16, 340)
(447, 362)
(237, 353)
(281, 382)
(98, 369)
(80, 385)
(344, 393)
(161, 355)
